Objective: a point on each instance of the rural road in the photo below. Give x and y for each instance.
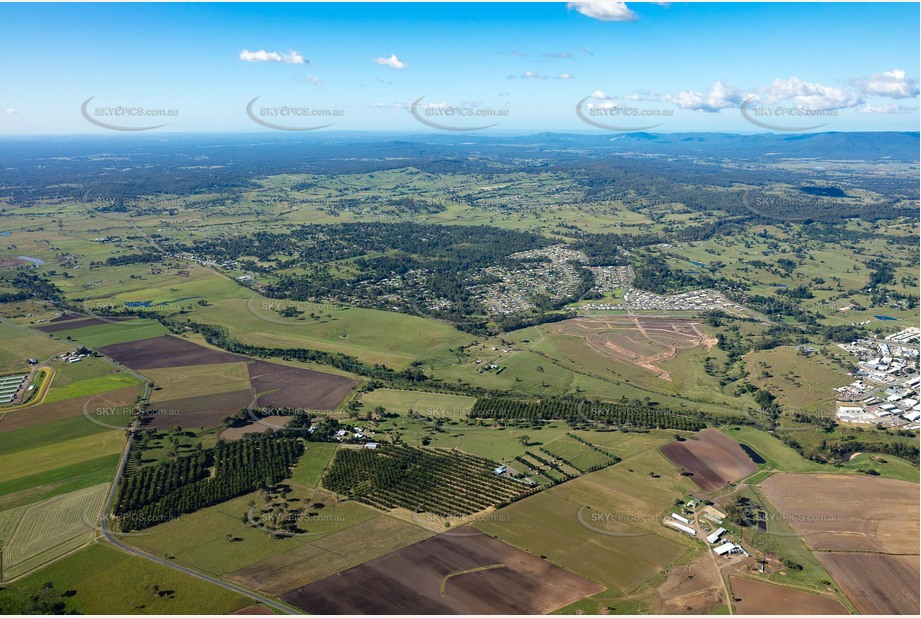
(112, 538)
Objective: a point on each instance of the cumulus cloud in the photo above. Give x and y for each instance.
(291, 57)
(866, 108)
(892, 84)
(565, 76)
(808, 95)
(393, 62)
(10, 110)
(605, 11)
(720, 96)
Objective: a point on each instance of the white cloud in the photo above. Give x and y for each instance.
(557, 55)
(10, 110)
(531, 75)
(808, 95)
(866, 108)
(390, 105)
(893, 84)
(605, 11)
(393, 62)
(565, 76)
(292, 57)
(313, 79)
(720, 96)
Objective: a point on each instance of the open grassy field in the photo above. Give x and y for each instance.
(606, 525)
(197, 380)
(30, 462)
(799, 382)
(331, 554)
(18, 344)
(40, 533)
(426, 404)
(107, 581)
(114, 332)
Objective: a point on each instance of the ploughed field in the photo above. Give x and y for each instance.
(754, 597)
(710, 458)
(864, 530)
(460, 572)
(199, 386)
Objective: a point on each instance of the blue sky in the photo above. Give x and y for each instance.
(521, 66)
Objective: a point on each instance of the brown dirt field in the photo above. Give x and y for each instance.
(409, 581)
(203, 411)
(298, 388)
(166, 351)
(692, 589)
(714, 459)
(876, 583)
(68, 408)
(53, 328)
(848, 512)
(67, 316)
(754, 597)
(237, 433)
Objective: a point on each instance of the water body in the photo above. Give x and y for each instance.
(778, 285)
(150, 303)
(35, 261)
(6, 233)
(886, 318)
(702, 265)
(755, 457)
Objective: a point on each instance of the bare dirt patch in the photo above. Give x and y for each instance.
(712, 460)
(281, 385)
(166, 351)
(413, 579)
(876, 583)
(754, 597)
(849, 513)
(53, 328)
(692, 589)
(202, 411)
(640, 341)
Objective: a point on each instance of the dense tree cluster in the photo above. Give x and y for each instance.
(155, 494)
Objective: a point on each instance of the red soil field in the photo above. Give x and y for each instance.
(281, 385)
(876, 583)
(439, 576)
(753, 597)
(201, 411)
(712, 460)
(166, 351)
(53, 328)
